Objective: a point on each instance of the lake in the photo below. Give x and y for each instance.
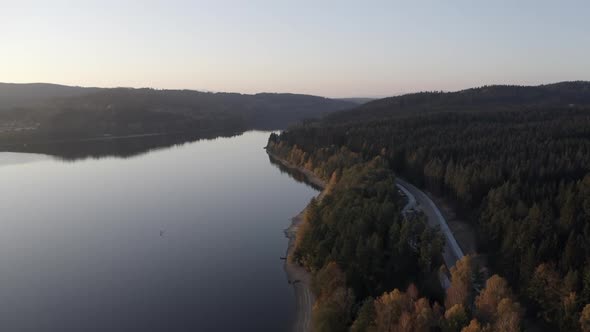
(180, 238)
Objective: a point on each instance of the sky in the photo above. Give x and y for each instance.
(329, 48)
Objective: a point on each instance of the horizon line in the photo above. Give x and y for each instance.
(373, 97)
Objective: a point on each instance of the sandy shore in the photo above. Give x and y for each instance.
(296, 274)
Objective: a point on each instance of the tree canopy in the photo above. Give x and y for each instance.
(515, 163)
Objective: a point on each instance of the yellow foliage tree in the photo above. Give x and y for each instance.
(487, 301)
(334, 301)
(585, 319)
(424, 317)
(398, 311)
(328, 280)
(455, 318)
(332, 183)
(461, 285)
(473, 326)
(508, 316)
(389, 308)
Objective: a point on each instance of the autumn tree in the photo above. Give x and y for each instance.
(399, 311)
(585, 319)
(424, 316)
(455, 319)
(508, 315)
(331, 314)
(334, 300)
(365, 320)
(389, 308)
(486, 303)
(473, 326)
(332, 183)
(545, 290)
(460, 289)
(569, 317)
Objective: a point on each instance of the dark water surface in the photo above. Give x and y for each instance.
(81, 247)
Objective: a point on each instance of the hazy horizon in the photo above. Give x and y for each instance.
(284, 92)
(332, 49)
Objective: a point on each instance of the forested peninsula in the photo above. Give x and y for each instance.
(515, 163)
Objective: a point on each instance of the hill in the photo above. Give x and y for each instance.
(495, 97)
(37, 112)
(12, 95)
(358, 101)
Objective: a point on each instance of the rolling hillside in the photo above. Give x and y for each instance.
(37, 112)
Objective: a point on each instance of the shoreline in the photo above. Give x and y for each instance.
(298, 276)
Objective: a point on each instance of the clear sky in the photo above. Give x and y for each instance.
(331, 48)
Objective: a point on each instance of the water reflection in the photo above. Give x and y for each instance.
(82, 247)
(293, 173)
(122, 147)
(15, 158)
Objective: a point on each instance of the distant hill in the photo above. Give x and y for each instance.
(34, 112)
(12, 95)
(484, 98)
(358, 101)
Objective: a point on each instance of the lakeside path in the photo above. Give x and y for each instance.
(417, 198)
(297, 276)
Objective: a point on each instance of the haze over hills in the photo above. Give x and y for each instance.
(13, 94)
(37, 112)
(358, 100)
(484, 98)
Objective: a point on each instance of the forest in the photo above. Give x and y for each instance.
(32, 113)
(515, 162)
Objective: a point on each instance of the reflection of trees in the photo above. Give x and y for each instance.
(121, 147)
(294, 173)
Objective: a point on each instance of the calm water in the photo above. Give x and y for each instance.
(81, 249)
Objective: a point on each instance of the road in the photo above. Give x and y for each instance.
(411, 205)
(417, 199)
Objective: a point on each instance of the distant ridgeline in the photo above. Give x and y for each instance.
(514, 160)
(33, 113)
